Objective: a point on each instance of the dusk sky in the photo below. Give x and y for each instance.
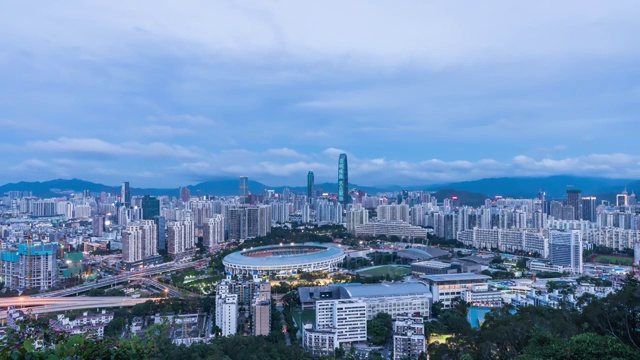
(173, 93)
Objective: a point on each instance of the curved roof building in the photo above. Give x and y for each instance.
(284, 259)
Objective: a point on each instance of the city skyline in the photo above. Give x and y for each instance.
(221, 90)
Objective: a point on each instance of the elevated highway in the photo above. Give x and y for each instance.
(34, 305)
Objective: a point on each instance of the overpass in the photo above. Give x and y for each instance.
(165, 268)
(34, 305)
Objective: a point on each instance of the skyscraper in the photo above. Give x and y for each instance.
(310, 184)
(185, 194)
(589, 208)
(343, 180)
(244, 186)
(125, 194)
(565, 248)
(150, 207)
(573, 199)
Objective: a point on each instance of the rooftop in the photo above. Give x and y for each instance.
(455, 277)
(386, 289)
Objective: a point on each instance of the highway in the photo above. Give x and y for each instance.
(170, 267)
(47, 305)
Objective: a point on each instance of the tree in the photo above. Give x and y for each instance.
(379, 328)
(521, 263)
(436, 308)
(115, 327)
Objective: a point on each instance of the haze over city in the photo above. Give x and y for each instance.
(415, 93)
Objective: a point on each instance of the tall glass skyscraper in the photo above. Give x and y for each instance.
(310, 185)
(125, 194)
(343, 180)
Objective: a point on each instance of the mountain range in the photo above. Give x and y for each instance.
(520, 187)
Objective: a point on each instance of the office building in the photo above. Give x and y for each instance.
(338, 322)
(97, 225)
(161, 230)
(213, 231)
(589, 208)
(343, 180)
(447, 287)
(573, 200)
(244, 189)
(408, 338)
(125, 195)
(150, 207)
(310, 185)
(622, 199)
(185, 194)
(565, 249)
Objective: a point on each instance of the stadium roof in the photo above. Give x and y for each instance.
(422, 253)
(455, 277)
(328, 253)
(380, 290)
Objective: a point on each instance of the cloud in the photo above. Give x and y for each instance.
(285, 152)
(95, 146)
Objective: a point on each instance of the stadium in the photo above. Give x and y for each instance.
(283, 259)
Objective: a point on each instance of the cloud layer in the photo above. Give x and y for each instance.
(417, 92)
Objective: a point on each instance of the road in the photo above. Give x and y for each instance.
(47, 305)
(170, 267)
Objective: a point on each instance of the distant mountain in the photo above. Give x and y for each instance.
(554, 186)
(469, 192)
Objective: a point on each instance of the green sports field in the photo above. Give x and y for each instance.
(387, 269)
(612, 259)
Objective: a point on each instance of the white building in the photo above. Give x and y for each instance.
(88, 325)
(213, 231)
(565, 249)
(82, 211)
(398, 228)
(227, 313)
(132, 244)
(181, 237)
(447, 287)
(338, 322)
(356, 217)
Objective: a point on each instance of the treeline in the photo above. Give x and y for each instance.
(607, 328)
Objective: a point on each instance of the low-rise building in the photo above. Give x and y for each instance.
(88, 325)
(447, 287)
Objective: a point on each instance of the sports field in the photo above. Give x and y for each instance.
(386, 269)
(613, 259)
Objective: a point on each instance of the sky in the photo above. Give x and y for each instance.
(166, 93)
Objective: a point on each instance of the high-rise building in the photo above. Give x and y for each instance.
(565, 249)
(35, 267)
(132, 244)
(310, 185)
(97, 225)
(213, 231)
(185, 194)
(149, 238)
(589, 208)
(622, 199)
(343, 180)
(573, 199)
(125, 194)
(356, 217)
(244, 189)
(161, 229)
(150, 207)
(261, 310)
(227, 313)
(180, 237)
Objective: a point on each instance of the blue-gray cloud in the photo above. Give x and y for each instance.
(171, 94)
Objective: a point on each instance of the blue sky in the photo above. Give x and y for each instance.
(172, 93)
